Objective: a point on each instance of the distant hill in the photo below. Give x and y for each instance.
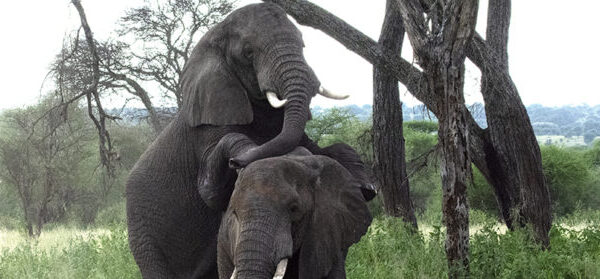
(567, 121)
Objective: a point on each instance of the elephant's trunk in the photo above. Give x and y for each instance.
(291, 78)
(262, 243)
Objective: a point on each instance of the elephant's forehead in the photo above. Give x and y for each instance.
(258, 18)
(260, 9)
(270, 169)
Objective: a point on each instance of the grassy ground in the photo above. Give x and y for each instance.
(386, 251)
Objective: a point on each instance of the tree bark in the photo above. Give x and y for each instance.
(522, 193)
(483, 152)
(388, 139)
(441, 52)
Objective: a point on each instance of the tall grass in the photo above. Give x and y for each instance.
(104, 255)
(388, 250)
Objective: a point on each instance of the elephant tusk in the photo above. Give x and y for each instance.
(326, 93)
(274, 100)
(234, 274)
(280, 271)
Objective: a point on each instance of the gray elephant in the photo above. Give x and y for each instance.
(247, 75)
(293, 216)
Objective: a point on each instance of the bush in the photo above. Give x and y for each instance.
(592, 155)
(573, 254)
(570, 179)
(424, 177)
(480, 194)
(112, 216)
(389, 250)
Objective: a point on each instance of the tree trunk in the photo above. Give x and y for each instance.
(388, 139)
(441, 52)
(456, 168)
(511, 135)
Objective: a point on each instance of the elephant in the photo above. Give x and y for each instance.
(292, 216)
(247, 75)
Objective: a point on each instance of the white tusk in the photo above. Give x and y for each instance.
(274, 100)
(326, 93)
(280, 271)
(234, 274)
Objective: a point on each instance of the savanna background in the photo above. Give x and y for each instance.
(64, 161)
(82, 233)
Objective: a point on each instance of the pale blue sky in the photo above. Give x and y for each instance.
(553, 48)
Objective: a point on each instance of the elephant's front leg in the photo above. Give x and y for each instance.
(347, 157)
(215, 178)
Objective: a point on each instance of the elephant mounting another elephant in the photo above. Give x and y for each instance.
(246, 76)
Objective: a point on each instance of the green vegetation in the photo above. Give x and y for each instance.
(388, 250)
(104, 255)
(86, 236)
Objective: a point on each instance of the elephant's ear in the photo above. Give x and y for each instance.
(212, 94)
(340, 218)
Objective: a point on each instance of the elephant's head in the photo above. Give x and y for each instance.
(303, 210)
(250, 60)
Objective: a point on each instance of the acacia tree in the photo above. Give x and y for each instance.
(154, 44)
(40, 148)
(490, 156)
(160, 37)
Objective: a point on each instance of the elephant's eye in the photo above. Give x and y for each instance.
(247, 52)
(294, 210)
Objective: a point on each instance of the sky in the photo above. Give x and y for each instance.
(553, 49)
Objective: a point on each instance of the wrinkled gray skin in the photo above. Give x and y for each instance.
(172, 229)
(301, 207)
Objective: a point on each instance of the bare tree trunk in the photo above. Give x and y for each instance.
(527, 199)
(441, 51)
(388, 138)
(92, 96)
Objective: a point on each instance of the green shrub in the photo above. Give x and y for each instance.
(112, 216)
(573, 254)
(569, 178)
(592, 155)
(423, 171)
(389, 250)
(481, 195)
